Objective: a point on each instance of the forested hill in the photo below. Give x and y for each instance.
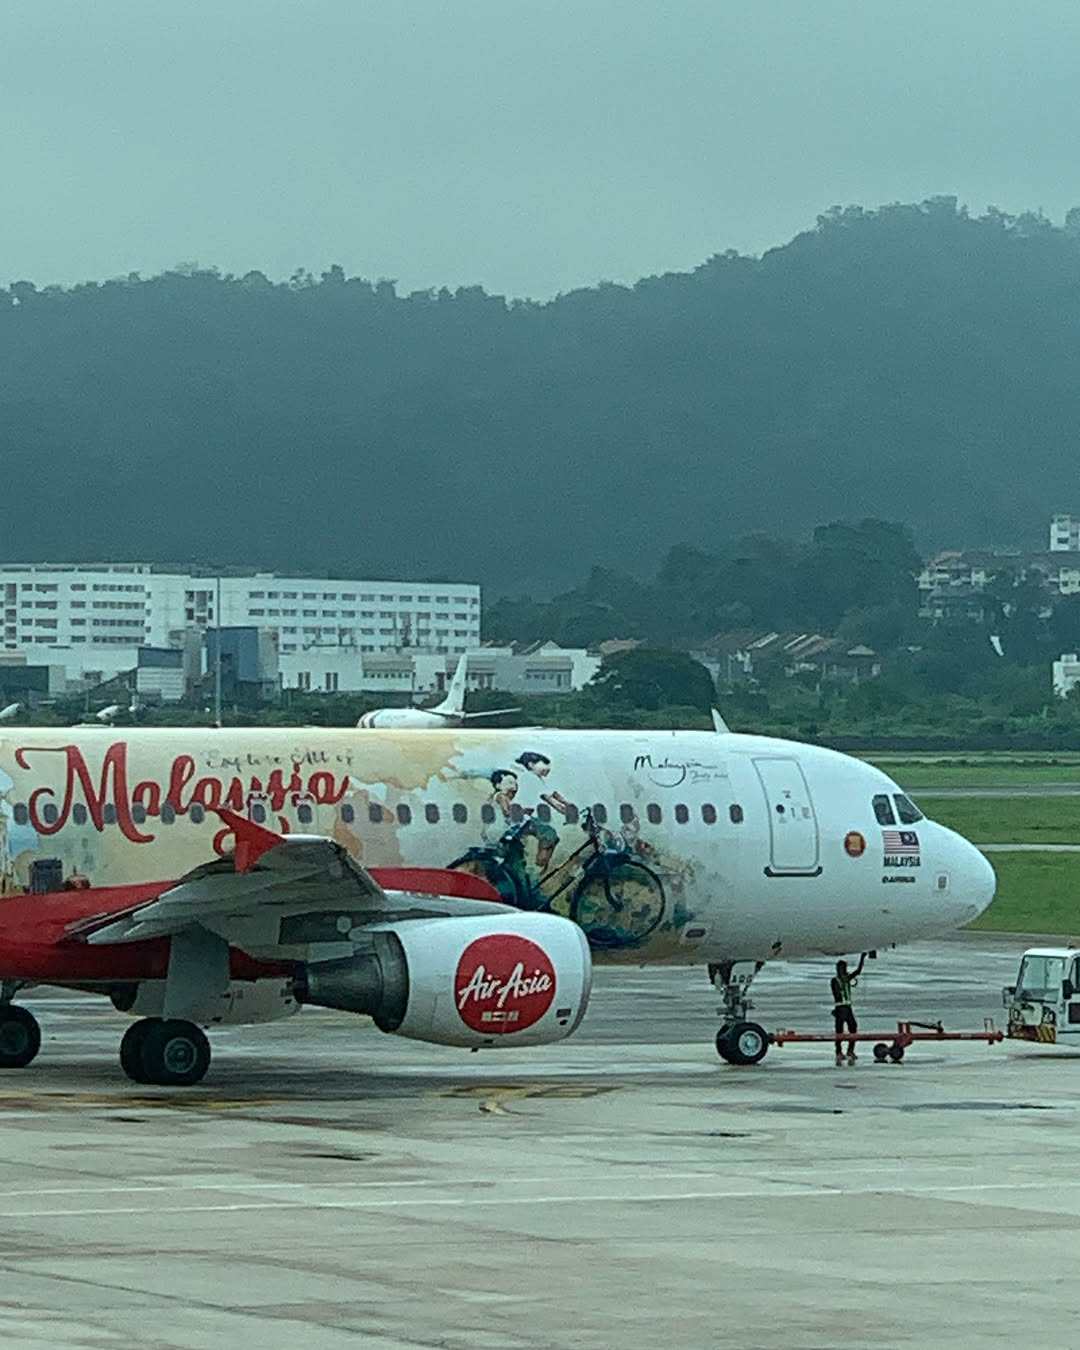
(912, 362)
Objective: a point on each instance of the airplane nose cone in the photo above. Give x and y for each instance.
(976, 883)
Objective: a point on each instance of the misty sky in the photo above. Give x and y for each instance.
(527, 145)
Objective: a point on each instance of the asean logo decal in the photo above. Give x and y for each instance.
(854, 844)
(504, 983)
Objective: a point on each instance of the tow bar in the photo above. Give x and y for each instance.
(890, 1045)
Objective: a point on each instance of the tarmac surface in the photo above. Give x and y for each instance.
(328, 1186)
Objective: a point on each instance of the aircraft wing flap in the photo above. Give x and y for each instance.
(296, 875)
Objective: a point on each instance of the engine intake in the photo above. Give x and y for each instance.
(523, 979)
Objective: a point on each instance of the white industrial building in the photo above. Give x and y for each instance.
(1065, 534)
(544, 668)
(1066, 674)
(93, 618)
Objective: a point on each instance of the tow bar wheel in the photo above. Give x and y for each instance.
(742, 1043)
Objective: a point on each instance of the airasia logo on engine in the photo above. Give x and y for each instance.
(503, 983)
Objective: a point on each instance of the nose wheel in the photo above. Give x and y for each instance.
(742, 1043)
(166, 1052)
(739, 1041)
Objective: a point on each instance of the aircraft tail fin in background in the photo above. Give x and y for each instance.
(453, 705)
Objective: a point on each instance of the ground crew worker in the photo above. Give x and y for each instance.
(843, 1014)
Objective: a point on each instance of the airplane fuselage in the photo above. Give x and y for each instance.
(675, 847)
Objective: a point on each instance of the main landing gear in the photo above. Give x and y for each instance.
(739, 1041)
(20, 1036)
(165, 1051)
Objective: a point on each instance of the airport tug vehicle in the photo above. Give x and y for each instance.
(1044, 1003)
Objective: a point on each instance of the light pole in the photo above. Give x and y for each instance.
(217, 654)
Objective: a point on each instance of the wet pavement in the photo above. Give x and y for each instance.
(328, 1186)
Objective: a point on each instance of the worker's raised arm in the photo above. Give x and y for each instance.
(858, 968)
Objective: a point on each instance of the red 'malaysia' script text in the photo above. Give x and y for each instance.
(182, 789)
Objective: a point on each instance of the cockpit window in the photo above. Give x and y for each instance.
(883, 810)
(906, 809)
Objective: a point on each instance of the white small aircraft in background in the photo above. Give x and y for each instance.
(449, 713)
(11, 711)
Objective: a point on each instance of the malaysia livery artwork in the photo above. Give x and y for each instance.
(545, 835)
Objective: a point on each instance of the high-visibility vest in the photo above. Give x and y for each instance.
(843, 984)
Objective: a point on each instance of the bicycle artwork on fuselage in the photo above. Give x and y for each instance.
(604, 884)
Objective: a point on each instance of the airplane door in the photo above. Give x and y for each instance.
(793, 827)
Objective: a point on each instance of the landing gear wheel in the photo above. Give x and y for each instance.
(722, 1048)
(172, 1053)
(20, 1037)
(896, 1053)
(881, 1052)
(744, 1043)
(131, 1060)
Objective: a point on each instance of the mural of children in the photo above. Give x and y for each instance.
(504, 783)
(547, 837)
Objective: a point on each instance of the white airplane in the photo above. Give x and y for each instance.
(449, 713)
(9, 713)
(455, 886)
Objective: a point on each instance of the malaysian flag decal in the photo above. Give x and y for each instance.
(901, 842)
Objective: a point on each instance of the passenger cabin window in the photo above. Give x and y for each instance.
(168, 814)
(109, 813)
(599, 812)
(198, 813)
(304, 814)
(735, 813)
(431, 813)
(22, 815)
(348, 813)
(258, 813)
(883, 810)
(682, 813)
(543, 812)
(653, 814)
(375, 813)
(572, 815)
(626, 813)
(517, 813)
(906, 809)
(460, 812)
(487, 813)
(78, 813)
(708, 813)
(404, 814)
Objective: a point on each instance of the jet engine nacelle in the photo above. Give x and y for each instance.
(521, 979)
(244, 1001)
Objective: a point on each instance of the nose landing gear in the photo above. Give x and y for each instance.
(739, 1041)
